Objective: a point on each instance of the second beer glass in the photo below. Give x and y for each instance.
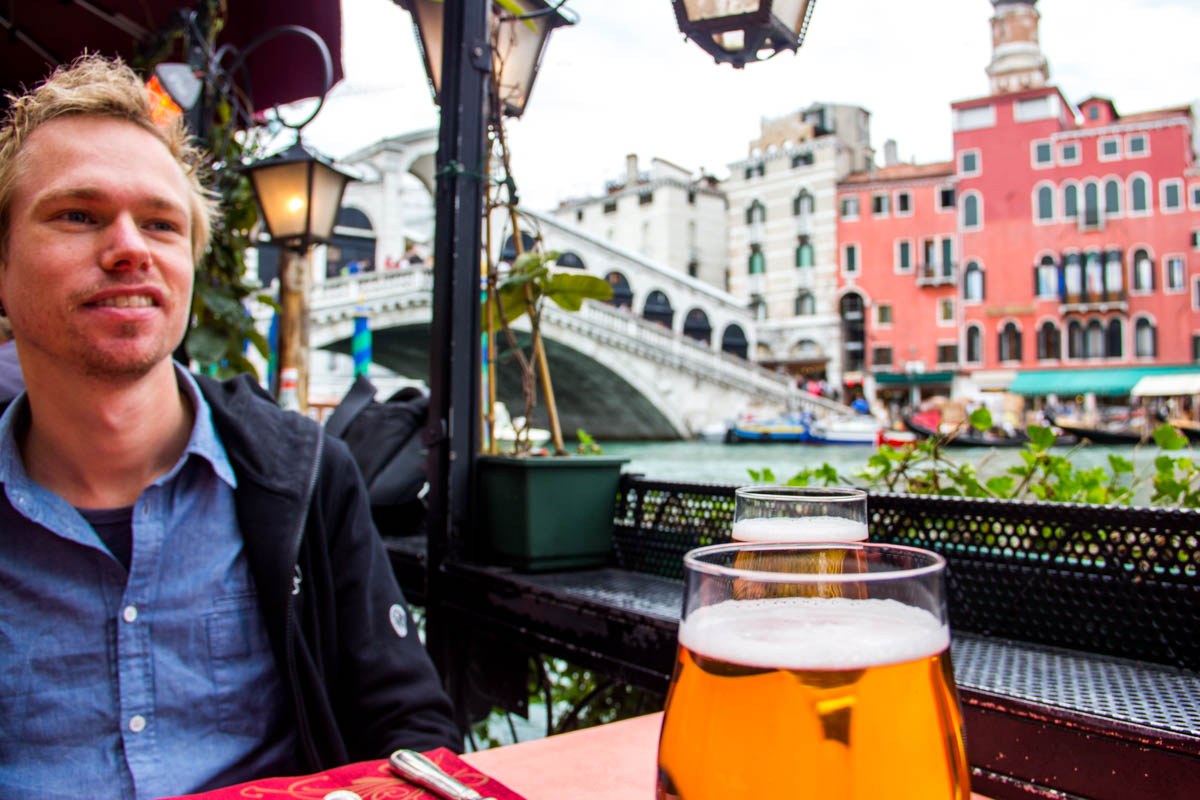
(799, 514)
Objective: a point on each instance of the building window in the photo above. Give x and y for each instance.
(972, 211)
(1010, 342)
(1136, 145)
(945, 312)
(1109, 148)
(1093, 276)
(1112, 197)
(1143, 272)
(1049, 344)
(805, 304)
(1114, 339)
(1173, 274)
(579, 215)
(883, 315)
(879, 205)
(756, 212)
(1070, 201)
(881, 356)
(1043, 154)
(974, 345)
(903, 255)
(1194, 196)
(804, 252)
(1091, 205)
(693, 268)
(1074, 339)
(946, 198)
(1069, 153)
(691, 197)
(1171, 200)
(610, 207)
(1114, 272)
(758, 262)
(849, 208)
(1145, 339)
(1045, 203)
(758, 169)
(1195, 348)
(947, 257)
(1093, 340)
(802, 159)
(645, 198)
(1137, 196)
(850, 258)
(802, 204)
(1046, 278)
(1073, 277)
(968, 163)
(973, 283)
(947, 354)
(1196, 240)
(903, 203)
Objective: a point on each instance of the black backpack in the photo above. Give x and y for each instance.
(385, 440)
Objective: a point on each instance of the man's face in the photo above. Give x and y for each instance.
(97, 277)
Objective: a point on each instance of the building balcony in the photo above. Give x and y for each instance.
(945, 274)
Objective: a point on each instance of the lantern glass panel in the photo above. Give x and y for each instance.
(790, 13)
(716, 9)
(428, 15)
(283, 193)
(328, 186)
(518, 47)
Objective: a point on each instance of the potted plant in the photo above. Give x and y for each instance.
(539, 512)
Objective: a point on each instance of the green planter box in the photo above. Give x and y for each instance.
(548, 513)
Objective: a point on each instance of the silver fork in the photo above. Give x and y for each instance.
(421, 770)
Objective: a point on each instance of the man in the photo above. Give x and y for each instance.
(193, 591)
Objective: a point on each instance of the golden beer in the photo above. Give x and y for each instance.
(829, 698)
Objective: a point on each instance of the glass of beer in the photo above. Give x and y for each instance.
(796, 681)
(799, 514)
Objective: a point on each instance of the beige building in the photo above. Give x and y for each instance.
(782, 230)
(665, 214)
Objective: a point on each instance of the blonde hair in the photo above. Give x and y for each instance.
(93, 85)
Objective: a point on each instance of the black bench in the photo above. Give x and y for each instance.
(1076, 628)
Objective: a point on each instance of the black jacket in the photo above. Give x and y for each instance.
(358, 689)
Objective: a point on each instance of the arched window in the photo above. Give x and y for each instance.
(853, 331)
(1010, 342)
(695, 325)
(758, 262)
(1145, 339)
(658, 309)
(622, 296)
(1073, 276)
(1091, 204)
(802, 203)
(1114, 340)
(1047, 277)
(1112, 197)
(1093, 272)
(804, 252)
(972, 210)
(1074, 339)
(805, 304)
(734, 341)
(1049, 341)
(1045, 204)
(1113, 274)
(1143, 271)
(973, 282)
(570, 260)
(1137, 194)
(974, 346)
(756, 212)
(1070, 201)
(1093, 342)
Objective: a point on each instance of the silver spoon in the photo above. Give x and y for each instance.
(421, 770)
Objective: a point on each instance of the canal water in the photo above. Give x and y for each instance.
(716, 462)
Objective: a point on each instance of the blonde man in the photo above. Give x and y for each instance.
(194, 592)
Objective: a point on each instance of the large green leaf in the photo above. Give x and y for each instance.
(569, 290)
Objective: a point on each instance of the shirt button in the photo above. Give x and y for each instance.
(137, 723)
(130, 613)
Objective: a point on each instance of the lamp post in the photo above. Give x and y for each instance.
(738, 32)
(299, 193)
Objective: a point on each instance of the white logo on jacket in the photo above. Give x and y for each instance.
(399, 619)
(296, 581)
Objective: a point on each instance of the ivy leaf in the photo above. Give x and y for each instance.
(1041, 437)
(1119, 464)
(981, 419)
(1168, 438)
(1001, 486)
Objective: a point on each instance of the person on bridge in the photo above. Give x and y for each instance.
(194, 593)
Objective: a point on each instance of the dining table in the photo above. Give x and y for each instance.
(614, 761)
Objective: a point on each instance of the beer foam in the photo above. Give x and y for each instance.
(799, 529)
(810, 633)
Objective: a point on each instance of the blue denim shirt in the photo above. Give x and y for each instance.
(159, 681)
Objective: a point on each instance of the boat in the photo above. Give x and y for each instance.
(784, 428)
(1097, 435)
(928, 423)
(896, 439)
(859, 429)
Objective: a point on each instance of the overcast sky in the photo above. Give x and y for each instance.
(623, 80)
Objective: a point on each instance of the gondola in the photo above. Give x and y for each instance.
(1097, 435)
(967, 436)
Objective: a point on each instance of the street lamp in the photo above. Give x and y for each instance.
(519, 30)
(741, 31)
(299, 193)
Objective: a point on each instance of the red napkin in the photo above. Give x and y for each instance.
(370, 780)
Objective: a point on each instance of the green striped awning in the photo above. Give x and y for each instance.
(1104, 382)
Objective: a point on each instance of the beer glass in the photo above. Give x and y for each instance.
(793, 681)
(799, 514)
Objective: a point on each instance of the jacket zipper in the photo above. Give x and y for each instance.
(302, 727)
